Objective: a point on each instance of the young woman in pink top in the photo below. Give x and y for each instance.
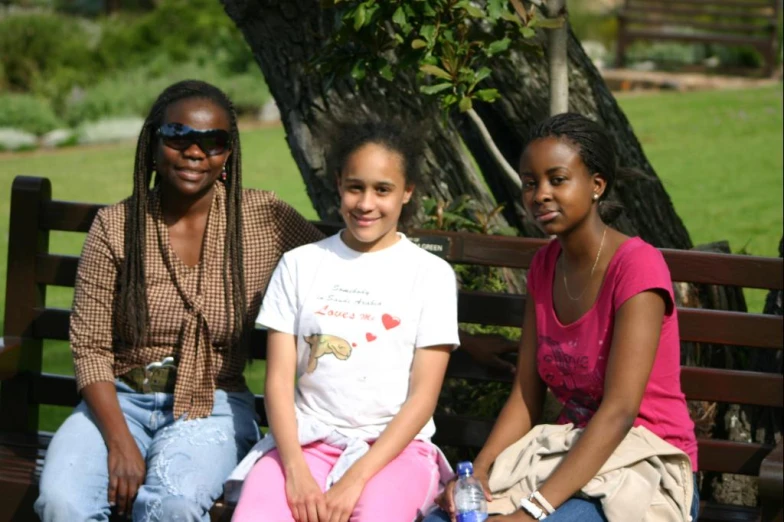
(600, 327)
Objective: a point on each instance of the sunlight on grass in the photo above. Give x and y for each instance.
(719, 155)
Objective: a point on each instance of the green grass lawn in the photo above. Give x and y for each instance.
(719, 155)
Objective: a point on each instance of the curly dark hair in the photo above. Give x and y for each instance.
(132, 303)
(394, 135)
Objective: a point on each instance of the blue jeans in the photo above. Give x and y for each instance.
(579, 510)
(187, 461)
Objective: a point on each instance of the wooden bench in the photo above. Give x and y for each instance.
(28, 322)
(728, 22)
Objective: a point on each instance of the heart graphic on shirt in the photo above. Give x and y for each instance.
(389, 321)
(370, 337)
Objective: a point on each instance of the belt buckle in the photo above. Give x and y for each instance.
(166, 364)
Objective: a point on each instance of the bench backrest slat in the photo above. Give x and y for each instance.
(56, 270)
(483, 250)
(741, 458)
(696, 325)
(714, 455)
(712, 384)
(713, 8)
(746, 4)
(733, 386)
(760, 27)
(68, 216)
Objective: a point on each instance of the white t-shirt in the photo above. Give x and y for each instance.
(358, 318)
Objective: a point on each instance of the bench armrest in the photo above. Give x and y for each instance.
(10, 352)
(771, 483)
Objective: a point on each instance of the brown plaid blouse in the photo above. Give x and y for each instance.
(189, 318)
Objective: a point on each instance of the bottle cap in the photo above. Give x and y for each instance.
(465, 469)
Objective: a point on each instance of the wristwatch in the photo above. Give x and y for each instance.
(532, 509)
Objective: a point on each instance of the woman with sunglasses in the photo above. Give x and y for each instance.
(168, 285)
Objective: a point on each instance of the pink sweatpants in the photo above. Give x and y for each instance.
(397, 493)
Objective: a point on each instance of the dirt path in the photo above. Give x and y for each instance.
(629, 80)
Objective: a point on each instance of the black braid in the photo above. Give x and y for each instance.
(132, 302)
(596, 150)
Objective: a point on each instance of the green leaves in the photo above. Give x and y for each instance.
(496, 8)
(498, 46)
(527, 32)
(472, 10)
(435, 71)
(359, 16)
(399, 17)
(440, 39)
(550, 23)
(488, 95)
(435, 89)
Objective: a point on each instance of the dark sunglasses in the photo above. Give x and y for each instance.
(179, 137)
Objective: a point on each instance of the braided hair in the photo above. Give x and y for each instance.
(596, 150)
(132, 303)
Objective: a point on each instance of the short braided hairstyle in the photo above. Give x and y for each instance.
(596, 150)
(132, 306)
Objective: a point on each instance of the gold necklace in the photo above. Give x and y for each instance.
(595, 261)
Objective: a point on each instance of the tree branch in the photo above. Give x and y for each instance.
(499, 158)
(556, 54)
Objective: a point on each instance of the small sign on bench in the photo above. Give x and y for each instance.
(438, 245)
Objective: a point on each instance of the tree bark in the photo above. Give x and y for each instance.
(285, 35)
(523, 80)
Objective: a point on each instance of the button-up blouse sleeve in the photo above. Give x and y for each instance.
(93, 307)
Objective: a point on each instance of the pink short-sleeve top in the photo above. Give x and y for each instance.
(572, 358)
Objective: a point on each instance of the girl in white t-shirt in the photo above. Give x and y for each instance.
(361, 325)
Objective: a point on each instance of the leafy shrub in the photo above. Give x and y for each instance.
(737, 55)
(666, 52)
(27, 113)
(594, 25)
(132, 93)
(175, 29)
(44, 53)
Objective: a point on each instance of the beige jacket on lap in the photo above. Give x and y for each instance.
(645, 480)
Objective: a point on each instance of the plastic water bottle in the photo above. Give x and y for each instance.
(469, 496)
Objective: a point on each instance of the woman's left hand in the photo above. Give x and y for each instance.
(342, 498)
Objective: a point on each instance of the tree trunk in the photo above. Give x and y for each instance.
(523, 80)
(285, 34)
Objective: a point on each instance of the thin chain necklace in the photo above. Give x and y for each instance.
(590, 276)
